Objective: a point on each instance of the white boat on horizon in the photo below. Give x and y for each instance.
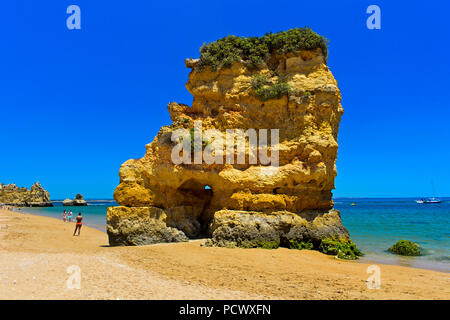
(428, 201)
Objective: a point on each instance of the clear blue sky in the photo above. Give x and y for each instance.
(76, 104)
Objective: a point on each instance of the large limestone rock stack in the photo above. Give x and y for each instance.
(279, 81)
(36, 196)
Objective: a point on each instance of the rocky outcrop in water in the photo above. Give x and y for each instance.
(248, 204)
(12, 195)
(77, 202)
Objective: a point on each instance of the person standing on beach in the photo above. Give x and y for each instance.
(70, 216)
(64, 215)
(78, 224)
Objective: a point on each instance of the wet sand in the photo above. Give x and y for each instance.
(35, 253)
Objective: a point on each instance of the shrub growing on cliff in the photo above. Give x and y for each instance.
(267, 90)
(406, 248)
(254, 51)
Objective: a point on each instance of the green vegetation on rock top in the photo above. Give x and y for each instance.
(406, 248)
(254, 51)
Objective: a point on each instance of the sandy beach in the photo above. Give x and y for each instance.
(35, 253)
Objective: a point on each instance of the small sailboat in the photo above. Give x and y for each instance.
(429, 200)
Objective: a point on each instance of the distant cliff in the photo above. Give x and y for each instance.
(37, 196)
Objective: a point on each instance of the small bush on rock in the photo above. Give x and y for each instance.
(406, 248)
(267, 90)
(343, 249)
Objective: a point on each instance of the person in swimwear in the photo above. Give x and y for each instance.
(64, 216)
(78, 225)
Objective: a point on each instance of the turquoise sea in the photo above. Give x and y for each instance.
(374, 225)
(94, 214)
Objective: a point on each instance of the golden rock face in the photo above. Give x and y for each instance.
(308, 121)
(36, 196)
